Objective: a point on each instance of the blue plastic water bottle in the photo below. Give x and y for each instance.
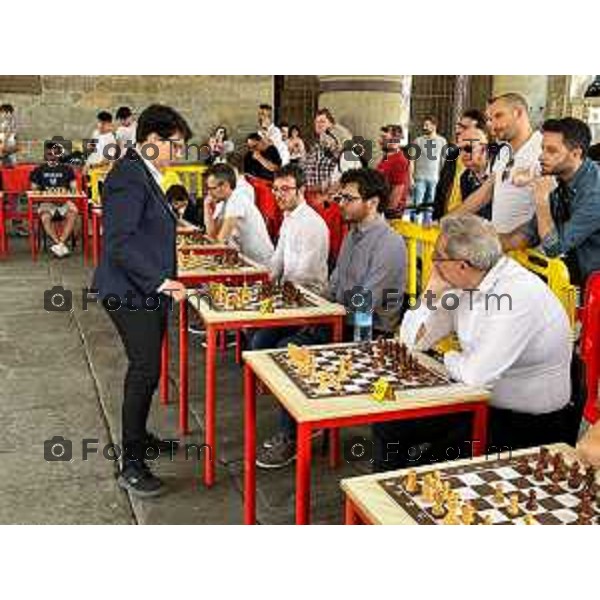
(363, 326)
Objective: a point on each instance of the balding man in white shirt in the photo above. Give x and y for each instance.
(514, 336)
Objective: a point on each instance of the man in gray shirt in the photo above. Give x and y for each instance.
(372, 255)
(426, 168)
(372, 262)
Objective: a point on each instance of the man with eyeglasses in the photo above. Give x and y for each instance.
(514, 336)
(474, 156)
(371, 262)
(448, 190)
(230, 215)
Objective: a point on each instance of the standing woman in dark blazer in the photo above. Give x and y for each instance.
(136, 277)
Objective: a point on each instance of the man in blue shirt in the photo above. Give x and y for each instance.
(567, 220)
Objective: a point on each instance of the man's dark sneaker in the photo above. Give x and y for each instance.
(316, 434)
(163, 446)
(137, 478)
(280, 452)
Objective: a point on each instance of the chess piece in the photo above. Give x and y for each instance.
(451, 517)
(468, 514)
(487, 520)
(543, 457)
(426, 490)
(523, 466)
(529, 520)
(513, 509)
(585, 507)
(410, 483)
(438, 509)
(532, 503)
(575, 477)
(555, 479)
(538, 474)
(498, 494)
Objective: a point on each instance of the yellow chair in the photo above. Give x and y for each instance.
(190, 175)
(97, 175)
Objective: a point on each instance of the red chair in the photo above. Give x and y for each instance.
(332, 215)
(590, 346)
(15, 181)
(266, 204)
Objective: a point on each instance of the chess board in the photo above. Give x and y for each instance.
(253, 303)
(192, 239)
(365, 372)
(476, 483)
(211, 262)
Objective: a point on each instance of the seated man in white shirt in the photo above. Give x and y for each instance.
(105, 147)
(231, 216)
(126, 130)
(514, 336)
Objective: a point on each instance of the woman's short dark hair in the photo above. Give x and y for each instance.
(177, 193)
(8, 108)
(104, 116)
(255, 137)
(575, 133)
(162, 120)
(222, 172)
(371, 184)
(294, 128)
(124, 112)
(292, 170)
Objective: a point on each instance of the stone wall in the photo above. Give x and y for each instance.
(68, 105)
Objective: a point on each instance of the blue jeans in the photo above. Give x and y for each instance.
(423, 193)
(280, 337)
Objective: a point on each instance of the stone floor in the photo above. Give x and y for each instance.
(61, 374)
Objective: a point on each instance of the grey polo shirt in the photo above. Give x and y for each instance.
(373, 256)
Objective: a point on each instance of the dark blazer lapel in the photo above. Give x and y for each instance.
(158, 195)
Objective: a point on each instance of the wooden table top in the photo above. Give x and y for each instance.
(305, 409)
(381, 509)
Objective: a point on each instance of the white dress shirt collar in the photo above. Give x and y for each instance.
(154, 171)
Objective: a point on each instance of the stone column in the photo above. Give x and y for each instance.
(363, 103)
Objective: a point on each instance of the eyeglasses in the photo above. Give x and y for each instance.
(339, 198)
(436, 258)
(282, 190)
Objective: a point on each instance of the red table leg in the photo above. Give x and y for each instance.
(209, 405)
(85, 229)
(480, 423)
(334, 434)
(183, 368)
(2, 227)
(164, 366)
(351, 517)
(249, 446)
(334, 448)
(95, 238)
(238, 347)
(31, 232)
(303, 474)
